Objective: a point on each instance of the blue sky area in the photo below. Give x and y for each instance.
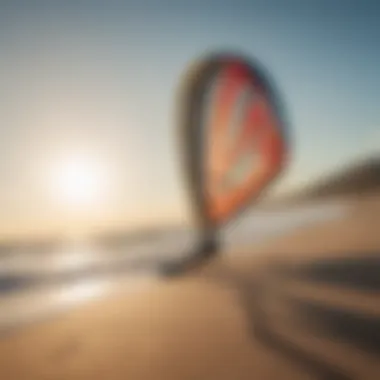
(100, 77)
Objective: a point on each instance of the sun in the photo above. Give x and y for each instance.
(78, 180)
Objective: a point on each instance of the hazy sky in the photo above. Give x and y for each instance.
(98, 78)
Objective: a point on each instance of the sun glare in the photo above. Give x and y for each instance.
(79, 181)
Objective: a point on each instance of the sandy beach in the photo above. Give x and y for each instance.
(305, 306)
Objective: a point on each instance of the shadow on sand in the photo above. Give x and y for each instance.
(266, 306)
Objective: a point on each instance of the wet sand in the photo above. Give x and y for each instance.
(306, 306)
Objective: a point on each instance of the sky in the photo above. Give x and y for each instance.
(98, 80)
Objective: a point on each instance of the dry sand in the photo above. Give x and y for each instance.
(237, 318)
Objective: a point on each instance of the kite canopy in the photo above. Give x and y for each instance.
(233, 136)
